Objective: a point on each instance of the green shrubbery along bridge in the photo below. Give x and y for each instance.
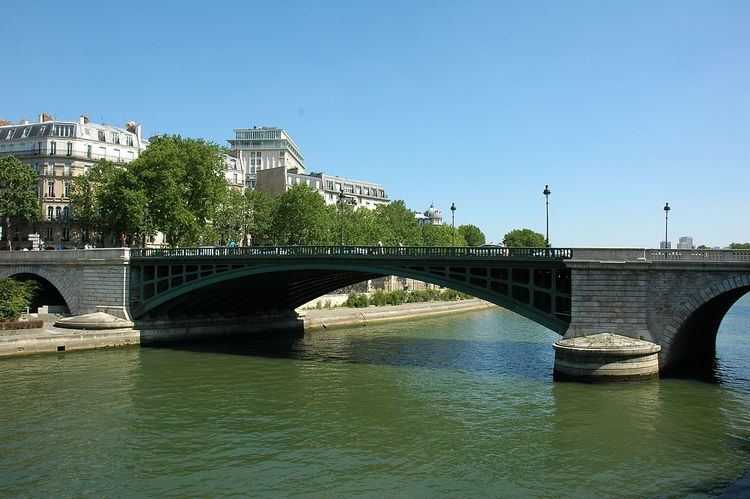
(675, 298)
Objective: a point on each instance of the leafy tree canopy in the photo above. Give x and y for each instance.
(301, 217)
(18, 194)
(524, 238)
(739, 246)
(15, 296)
(472, 234)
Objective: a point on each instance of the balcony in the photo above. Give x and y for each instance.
(35, 153)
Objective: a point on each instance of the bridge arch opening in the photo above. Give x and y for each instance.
(692, 351)
(196, 290)
(48, 295)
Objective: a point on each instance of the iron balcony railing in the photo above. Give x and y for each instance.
(356, 251)
(36, 153)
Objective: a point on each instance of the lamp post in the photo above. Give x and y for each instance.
(666, 225)
(453, 222)
(341, 213)
(546, 193)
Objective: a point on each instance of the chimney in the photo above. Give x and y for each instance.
(45, 117)
(84, 120)
(5, 123)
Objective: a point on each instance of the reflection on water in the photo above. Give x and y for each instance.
(463, 405)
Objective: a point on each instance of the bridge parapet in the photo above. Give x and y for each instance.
(651, 255)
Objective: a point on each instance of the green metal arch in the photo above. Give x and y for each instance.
(522, 309)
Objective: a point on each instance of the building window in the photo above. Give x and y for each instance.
(53, 148)
(50, 170)
(66, 213)
(58, 213)
(50, 189)
(70, 149)
(129, 140)
(66, 190)
(42, 130)
(48, 235)
(26, 132)
(11, 133)
(102, 136)
(115, 138)
(88, 151)
(39, 148)
(50, 213)
(63, 130)
(65, 234)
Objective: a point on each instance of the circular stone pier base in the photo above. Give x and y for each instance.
(605, 357)
(97, 321)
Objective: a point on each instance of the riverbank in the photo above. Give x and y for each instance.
(344, 316)
(55, 339)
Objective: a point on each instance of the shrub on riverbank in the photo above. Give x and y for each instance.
(15, 297)
(382, 298)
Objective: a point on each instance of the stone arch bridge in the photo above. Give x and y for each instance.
(675, 298)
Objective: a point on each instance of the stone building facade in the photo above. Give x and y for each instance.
(58, 151)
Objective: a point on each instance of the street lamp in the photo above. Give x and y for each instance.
(546, 193)
(453, 222)
(666, 225)
(341, 213)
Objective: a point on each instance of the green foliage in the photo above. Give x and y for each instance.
(739, 246)
(230, 218)
(703, 247)
(398, 297)
(524, 238)
(357, 300)
(15, 297)
(300, 217)
(441, 235)
(472, 234)
(121, 203)
(183, 182)
(18, 194)
(398, 225)
(85, 196)
(261, 208)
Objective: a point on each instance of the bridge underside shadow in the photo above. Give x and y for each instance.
(189, 288)
(693, 348)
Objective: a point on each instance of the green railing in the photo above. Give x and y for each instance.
(357, 251)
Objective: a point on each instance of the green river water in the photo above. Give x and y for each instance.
(451, 406)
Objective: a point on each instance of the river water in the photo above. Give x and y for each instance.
(452, 406)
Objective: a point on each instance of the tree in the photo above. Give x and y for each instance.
(524, 238)
(18, 194)
(230, 218)
(260, 214)
(15, 297)
(85, 198)
(398, 224)
(441, 235)
(123, 208)
(301, 217)
(739, 246)
(703, 247)
(183, 180)
(472, 234)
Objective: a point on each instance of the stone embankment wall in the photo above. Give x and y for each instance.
(343, 316)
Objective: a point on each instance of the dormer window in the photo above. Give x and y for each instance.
(26, 132)
(115, 138)
(102, 136)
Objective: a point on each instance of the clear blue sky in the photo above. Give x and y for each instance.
(618, 106)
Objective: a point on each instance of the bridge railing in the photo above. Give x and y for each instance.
(356, 251)
(645, 254)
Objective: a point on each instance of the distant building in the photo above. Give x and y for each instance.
(263, 148)
(665, 245)
(431, 216)
(275, 181)
(686, 242)
(235, 172)
(58, 151)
